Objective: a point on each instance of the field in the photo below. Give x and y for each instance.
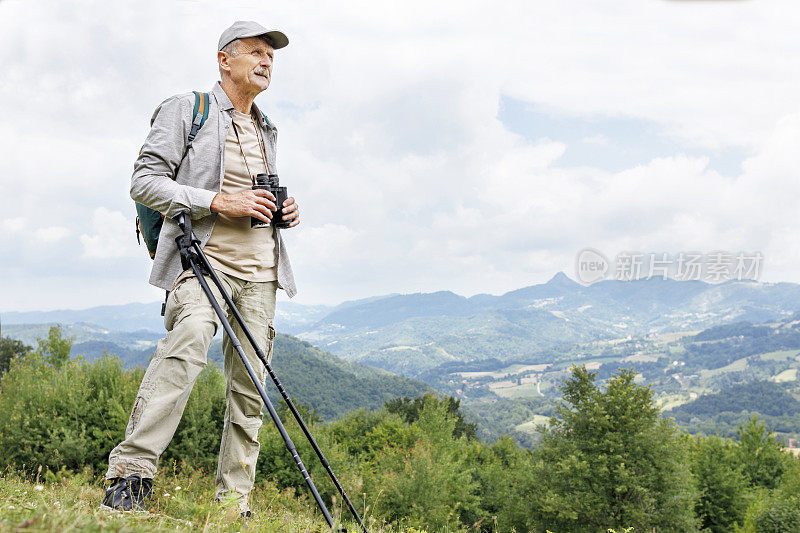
(787, 375)
(530, 426)
(738, 365)
(182, 502)
(782, 355)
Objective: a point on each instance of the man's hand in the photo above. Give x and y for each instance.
(291, 212)
(256, 203)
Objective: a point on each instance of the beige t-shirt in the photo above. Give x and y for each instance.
(234, 247)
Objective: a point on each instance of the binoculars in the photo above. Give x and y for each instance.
(269, 182)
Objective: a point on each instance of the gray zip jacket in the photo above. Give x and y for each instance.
(155, 184)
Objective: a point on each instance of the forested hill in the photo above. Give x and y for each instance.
(764, 397)
(332, 386)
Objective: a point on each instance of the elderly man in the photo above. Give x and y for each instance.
(212, 182)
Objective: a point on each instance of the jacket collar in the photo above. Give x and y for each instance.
(222, 98)
(226, 105)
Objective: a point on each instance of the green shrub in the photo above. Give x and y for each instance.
(777, 510)
(430, 483)
(65, 413)
(67, 417)
(276, 464)
(779, 516)
(503, 472)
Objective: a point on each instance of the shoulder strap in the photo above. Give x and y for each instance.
(266, 120)
(199, 115)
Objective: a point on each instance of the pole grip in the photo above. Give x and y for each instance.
(184, 221)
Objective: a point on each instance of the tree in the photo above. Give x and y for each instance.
(760, 454)
(410, 409)
(56, 347)
(609, 460)
(9, 349)
(721, 485)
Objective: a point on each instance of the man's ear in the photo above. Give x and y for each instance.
(223, 60)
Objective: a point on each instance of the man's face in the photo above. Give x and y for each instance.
(251, 66)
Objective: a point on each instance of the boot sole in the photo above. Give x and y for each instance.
(104, 507)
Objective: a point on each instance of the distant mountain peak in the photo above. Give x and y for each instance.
(561, 279)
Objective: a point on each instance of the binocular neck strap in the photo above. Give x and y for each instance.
(260, 145)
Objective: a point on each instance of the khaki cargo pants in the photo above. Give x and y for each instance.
(179, 358)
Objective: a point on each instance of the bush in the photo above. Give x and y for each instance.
(760, 454)
(778, 516)
(429, 483)
(276, 463)
(67, 417)
(65, 413)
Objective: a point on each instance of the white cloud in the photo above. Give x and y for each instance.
(13, 225)
(51, 234)
(112, 236)
(596, 139)
(326, 246)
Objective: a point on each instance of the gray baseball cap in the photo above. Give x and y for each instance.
(247, 28)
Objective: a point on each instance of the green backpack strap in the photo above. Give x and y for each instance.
(266, 120)
(199, 116)
(149, 221)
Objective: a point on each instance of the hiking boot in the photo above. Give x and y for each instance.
(128, 494)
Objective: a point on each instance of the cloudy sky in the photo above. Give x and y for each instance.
(468, 146)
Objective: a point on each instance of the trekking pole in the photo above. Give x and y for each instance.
(186, 243)
(260, 354)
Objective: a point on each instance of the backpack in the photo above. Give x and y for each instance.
(149, 221)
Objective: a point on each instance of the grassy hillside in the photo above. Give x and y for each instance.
(181, 502)
(410, 463)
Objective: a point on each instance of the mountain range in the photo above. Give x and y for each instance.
(412, 333)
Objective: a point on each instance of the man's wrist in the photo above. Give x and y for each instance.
(216, 203)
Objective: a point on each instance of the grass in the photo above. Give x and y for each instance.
(181, 502)
(782, 355)
(739, 364)
(509, 390)
(787, 375)
(530, 426)
(666, 402)
(675, 336)
(640, 358)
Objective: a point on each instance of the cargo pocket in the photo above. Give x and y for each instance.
(181, 294)
(136, 415)
(270, 341)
